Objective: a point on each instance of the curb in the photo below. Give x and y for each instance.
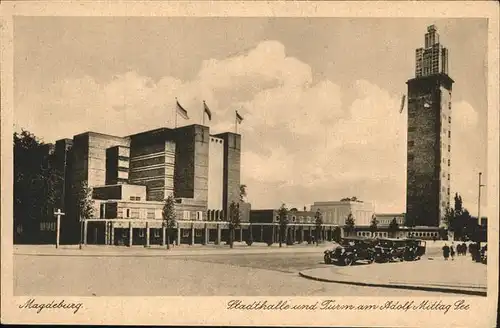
(166, 253)
(399, 286)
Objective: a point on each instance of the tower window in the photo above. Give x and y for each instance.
(448, 176)
(449, 134)
(449, 148)
(449, 119)
(448, 162)
(449, 105)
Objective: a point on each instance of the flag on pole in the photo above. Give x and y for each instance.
(181, 111)
(402, 104)
(207, 111)
(239, 118)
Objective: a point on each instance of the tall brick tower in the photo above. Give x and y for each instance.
(429, 135)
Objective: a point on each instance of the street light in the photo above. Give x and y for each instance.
(479, 199)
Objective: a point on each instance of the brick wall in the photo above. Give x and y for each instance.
(424, 157)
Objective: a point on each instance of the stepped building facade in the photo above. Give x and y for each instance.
(131, 176)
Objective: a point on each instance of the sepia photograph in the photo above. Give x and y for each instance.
(250, 158)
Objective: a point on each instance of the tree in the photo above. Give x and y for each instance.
(319, 224)
(35, 181)
(393, 227)
(85, 205)
(349, 224)
(169, 218)
(374, 224)
(234, 221)
(283, 222)
(243, 192)
(458, 205)
(449, 218)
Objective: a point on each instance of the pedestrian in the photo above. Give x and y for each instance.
(464, 249)
(452, 252)
(446, 252)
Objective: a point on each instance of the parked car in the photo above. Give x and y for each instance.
(351, 250)
(415, 249)
(389, 250)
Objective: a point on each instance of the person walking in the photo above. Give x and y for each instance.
(452, 252)
(446, 252)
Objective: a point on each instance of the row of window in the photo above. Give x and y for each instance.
(47, 226)
(135, 198)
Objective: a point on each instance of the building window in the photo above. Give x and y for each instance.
(150, 214)
(449, 148)
(157, 233)
(141, 233)
(186, 215)
(135, 213)
(448, 162)
(128, 213)
(448, 191)
(449, 119)
(449, 134)
(185, 233)
(135, 198)
(197, 233)
(199, 216)
(449, 105)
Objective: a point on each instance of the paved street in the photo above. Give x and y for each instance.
(272, 273)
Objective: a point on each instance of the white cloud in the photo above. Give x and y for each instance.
(301, 142)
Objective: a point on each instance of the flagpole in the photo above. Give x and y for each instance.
(203, 113)
(175, 114)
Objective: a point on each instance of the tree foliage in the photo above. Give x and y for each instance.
(283, 222)
(35, 179)
(169, 217)
(318, 220)
(243, 192)
(351, 199)
(349, 224)
(459, 220)
(85, 202)
(374, 224)
(234, 220)
(393, 226)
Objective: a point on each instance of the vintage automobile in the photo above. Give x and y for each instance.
(415, 249)
(389, 250)
(351, 250)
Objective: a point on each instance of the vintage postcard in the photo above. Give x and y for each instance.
(250, 163)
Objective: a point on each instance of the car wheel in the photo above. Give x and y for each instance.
(327, 259)
(347, 261)
(370, 260)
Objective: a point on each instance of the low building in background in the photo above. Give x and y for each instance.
(336, 212)
(301, 227)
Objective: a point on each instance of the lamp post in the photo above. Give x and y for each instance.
(479, 199)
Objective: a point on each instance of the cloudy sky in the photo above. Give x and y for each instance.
(320, 96)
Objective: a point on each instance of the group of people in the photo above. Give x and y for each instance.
(461, 249)
(449, 251)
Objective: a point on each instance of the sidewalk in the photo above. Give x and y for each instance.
(461, 276)
(153, 251)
